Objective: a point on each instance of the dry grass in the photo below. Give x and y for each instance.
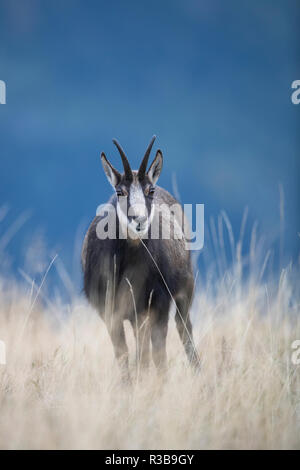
(60, 387)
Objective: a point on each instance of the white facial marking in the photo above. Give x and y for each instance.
(122, 211)
(137, 200)
(135, 228)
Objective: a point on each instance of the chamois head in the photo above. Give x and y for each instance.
(135, 190)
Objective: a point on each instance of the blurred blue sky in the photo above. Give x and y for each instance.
(212, 79)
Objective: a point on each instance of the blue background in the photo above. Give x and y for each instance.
(212, 79)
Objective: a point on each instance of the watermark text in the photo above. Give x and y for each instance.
(296, 354)
(2, 92)
(163, 221)
(295, 97)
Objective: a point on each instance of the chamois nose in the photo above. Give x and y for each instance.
(140, 221)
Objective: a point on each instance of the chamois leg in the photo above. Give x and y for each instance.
(141, 329)
(117, 335)
(159, 329)
(185, 330)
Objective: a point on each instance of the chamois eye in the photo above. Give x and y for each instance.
(149, 190)
(121, 192)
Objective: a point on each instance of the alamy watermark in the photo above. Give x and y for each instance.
(2, 92)
(295, 97)
(2, 353)
(164, 221)
(296, 354)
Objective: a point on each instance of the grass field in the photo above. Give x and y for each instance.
(61, 385)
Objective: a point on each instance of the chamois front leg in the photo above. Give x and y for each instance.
(159, 330)
(117, 335)
(141, 328)
(185, 330)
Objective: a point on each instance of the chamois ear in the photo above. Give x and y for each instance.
(113, 176)
(156, 167)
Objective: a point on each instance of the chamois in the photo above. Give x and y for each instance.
(137, 277)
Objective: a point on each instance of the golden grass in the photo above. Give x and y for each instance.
(61, 389)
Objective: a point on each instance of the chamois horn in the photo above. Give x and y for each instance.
(143, 166)
(127, 169)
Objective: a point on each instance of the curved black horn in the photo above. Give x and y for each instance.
(127, 169)
(143, 167)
